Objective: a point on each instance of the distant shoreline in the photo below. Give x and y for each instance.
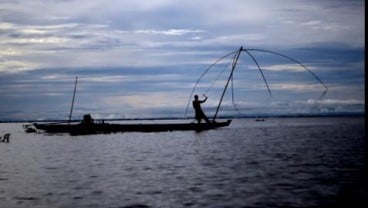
(296, 115)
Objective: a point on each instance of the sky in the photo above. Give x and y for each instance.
(141, 59)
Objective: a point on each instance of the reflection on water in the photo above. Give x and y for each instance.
(288, 162)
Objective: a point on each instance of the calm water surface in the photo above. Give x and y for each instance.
(280, 162)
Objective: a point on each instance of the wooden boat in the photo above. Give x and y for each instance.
(105, 128)
(88, 126)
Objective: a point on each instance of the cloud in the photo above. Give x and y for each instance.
(146, 100)
(297, 87)
(175, 32)
(334, 105)
(286, 67)
(337, 102)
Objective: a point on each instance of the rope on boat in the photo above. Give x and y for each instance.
(233, 95)
(217, 78)
(297, 62)
(260, 70)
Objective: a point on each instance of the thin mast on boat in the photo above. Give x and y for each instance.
(71, 108)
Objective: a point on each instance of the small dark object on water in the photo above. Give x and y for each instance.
(30, 130)
(5, 138)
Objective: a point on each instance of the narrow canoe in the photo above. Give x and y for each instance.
(100, 128)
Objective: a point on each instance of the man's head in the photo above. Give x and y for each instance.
(196, 97)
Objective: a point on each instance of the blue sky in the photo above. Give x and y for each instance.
(142, 58)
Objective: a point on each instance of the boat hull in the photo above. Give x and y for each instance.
(96, 128)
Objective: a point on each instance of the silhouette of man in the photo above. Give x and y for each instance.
(87, 119)
(199, 114)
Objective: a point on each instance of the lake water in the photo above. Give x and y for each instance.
(279, 162)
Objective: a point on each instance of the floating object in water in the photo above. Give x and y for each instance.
(5, 138)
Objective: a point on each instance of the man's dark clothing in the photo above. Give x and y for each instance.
(199, 114)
